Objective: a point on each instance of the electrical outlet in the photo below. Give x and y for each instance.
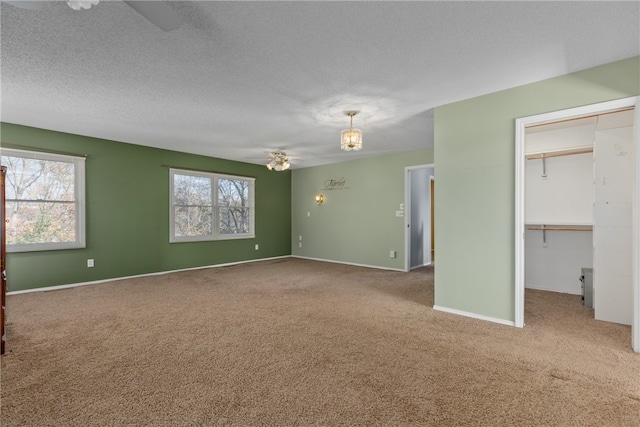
(257, 246)
(300, 237)
(392, 254)
(90, 263)
(300, 244)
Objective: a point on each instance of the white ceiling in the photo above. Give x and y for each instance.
(239, 79)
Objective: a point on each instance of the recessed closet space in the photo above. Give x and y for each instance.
(578, 202)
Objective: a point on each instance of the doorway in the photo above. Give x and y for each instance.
(522, 209)
(418, 216)
(433, 220)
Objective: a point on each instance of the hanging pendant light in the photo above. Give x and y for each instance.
(351, 139)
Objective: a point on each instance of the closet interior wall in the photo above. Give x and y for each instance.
(559, 205)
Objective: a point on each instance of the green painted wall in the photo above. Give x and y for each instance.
(474, 204)
(127, 195)
(356, 223)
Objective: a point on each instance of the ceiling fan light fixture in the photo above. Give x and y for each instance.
(351, 139)
(278, 161)
(82, 4)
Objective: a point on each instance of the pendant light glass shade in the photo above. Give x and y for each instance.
(351, 139)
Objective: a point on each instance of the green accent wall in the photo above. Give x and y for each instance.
(474, 205)
(356, 223)
(127, 214)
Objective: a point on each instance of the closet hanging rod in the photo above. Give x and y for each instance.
(545, 228)
(547, 154)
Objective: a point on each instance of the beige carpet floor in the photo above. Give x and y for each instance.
(295, 342)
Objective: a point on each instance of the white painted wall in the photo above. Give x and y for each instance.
(563, 135)
(563, 197)
(557, 266)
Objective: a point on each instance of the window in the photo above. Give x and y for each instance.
(44, 201)
(206, 206)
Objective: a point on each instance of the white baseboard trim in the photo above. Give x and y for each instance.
(348, 263)
(552, 290)
(158, 273)
(474, 315)
(426, 264)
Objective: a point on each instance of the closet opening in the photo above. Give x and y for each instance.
(577, 209)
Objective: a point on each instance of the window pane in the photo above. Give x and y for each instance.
(234, 220)
(190, 190)
(40, 222)
(192, 221)
(208, 206)
(233, 192)
(37, 179)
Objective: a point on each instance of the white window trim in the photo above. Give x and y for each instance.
(215, 235)
(79, 196)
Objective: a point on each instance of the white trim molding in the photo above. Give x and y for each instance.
(348, 263)
(158, 273)
(635, 249)
(474, 315)
(113, 279)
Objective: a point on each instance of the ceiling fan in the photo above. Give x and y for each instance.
(156, 12)
(277, 160)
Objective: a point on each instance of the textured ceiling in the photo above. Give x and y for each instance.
(239, 79)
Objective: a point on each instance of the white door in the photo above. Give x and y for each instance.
(614, 167)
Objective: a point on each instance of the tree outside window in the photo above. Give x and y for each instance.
(44, 201)
(207, 206)
(233, 206)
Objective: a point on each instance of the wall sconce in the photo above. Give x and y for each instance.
(319, 199)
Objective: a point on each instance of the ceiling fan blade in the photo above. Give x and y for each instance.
(32, 5)
(158, 13)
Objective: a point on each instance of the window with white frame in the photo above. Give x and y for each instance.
(208, 206)
(45, 208)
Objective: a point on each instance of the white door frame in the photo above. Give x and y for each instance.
(587, 110)
(407, 212)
